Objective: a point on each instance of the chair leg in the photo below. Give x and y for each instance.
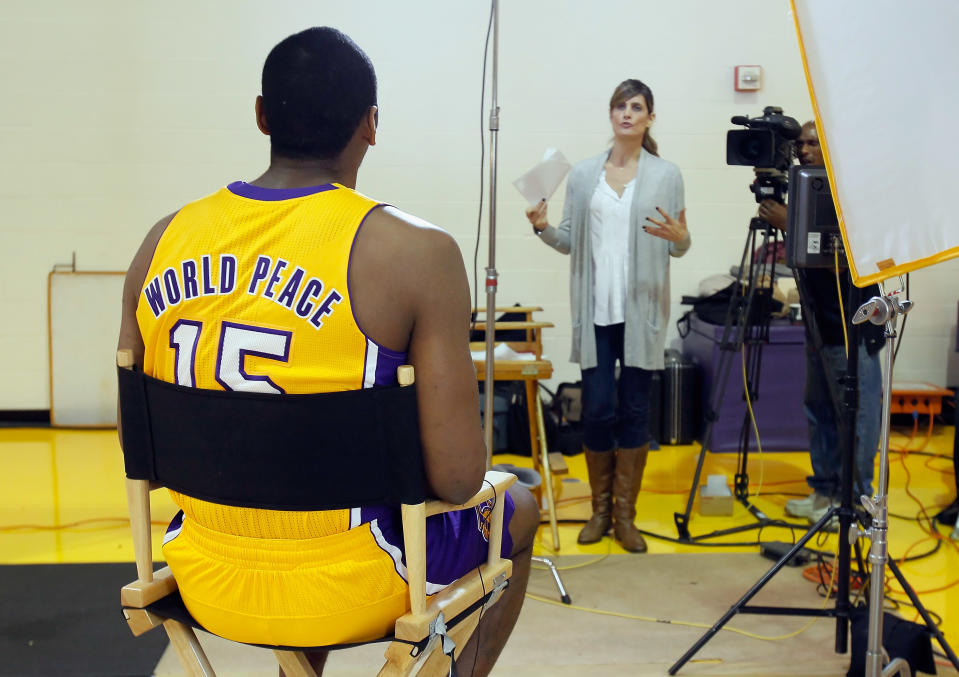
(188, 648)
(294, 663)
(437, 663)
(399, 663)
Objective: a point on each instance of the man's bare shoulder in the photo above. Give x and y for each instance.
(144, 256)
(130, 338)
(403, 226)
(398, 235)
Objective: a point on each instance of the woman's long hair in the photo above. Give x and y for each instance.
(625, 91)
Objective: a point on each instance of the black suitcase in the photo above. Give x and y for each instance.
(656, 409)
(681, 418)
(565, 413)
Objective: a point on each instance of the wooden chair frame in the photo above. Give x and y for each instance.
(426, 620)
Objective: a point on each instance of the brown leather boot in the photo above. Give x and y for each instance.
(600, 467)
(630, 464)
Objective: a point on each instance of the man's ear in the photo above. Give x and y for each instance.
(261, 116)
(372, 119)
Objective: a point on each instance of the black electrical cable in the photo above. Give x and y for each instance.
(933, 454)
(922, 555)
(482, 191)
(479, 571)
(695, 542)
(904, 517)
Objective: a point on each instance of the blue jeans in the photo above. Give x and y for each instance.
(824, 452)
(610, 421)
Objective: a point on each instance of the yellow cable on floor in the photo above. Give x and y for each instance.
(609, 549)
(752, 418)
(80, 525)
(690, 624)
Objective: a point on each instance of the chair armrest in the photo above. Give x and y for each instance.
(460, 594)
(142, 593)
(498, 483)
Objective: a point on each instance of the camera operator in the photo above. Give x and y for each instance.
(829, 365)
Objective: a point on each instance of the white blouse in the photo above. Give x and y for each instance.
(609, 236)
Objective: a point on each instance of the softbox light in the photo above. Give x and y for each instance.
(882, 75)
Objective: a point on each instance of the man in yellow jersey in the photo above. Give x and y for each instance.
(296, 283)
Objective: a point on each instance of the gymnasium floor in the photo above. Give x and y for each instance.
(64, 503)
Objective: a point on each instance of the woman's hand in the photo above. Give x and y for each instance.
(537, 216)
(668, 229)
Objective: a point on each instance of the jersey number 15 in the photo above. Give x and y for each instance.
(237, 341)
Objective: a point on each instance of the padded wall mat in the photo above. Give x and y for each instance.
(65, 619)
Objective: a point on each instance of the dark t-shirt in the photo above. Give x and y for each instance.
(820, 297)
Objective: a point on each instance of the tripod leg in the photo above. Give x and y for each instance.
(563, 595)
(927, 619)
(735, 608)
(713, 404)
(736, 330)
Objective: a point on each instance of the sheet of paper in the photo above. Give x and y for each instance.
(541, 181)
(501, 351)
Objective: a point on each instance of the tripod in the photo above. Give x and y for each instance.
(846, 414)
(746, 327)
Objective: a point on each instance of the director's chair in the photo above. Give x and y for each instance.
(297, 452)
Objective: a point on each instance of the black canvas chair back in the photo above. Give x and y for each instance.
(297, 452)
(285, 452)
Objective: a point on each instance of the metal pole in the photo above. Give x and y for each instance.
(881, 310)
(491, 274)
(879, 549)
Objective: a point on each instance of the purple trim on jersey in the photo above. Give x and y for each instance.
(244, 189)
(387, 362)
(176, 352)
(455, 543)
(176, 523)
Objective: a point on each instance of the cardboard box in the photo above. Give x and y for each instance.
(715, 498)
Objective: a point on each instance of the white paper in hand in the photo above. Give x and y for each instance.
(541, 181)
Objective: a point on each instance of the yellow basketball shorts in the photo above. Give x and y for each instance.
(338, 589)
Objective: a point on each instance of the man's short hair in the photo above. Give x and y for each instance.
(317, 86)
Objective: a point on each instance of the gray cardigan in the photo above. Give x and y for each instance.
(658, 184)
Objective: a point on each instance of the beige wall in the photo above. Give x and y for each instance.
(116, 113)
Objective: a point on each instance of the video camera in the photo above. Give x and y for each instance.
(767, 146)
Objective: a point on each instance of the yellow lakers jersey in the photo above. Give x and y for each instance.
(248, 291)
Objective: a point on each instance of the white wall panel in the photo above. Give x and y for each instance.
(119, 112)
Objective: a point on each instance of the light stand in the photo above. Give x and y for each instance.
(491, 283)
(491, 274)
(884, 310)
(880, 310)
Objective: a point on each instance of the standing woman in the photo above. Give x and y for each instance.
(619, 228)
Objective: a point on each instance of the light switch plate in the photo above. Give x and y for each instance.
(748, 78)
